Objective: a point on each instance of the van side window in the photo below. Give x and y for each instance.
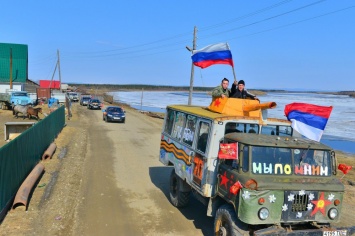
(245, 158)
(170, 117)
(231, 127)
(189, 130)
(241, 128)
(179, 123)
(252, 128)
(203, 136)
(279, 130)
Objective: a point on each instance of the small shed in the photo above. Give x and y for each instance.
(14, 129)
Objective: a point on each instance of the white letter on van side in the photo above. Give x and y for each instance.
(324, 170)
(257, 168)
(278, 166)
(307, 170)
(268, 169)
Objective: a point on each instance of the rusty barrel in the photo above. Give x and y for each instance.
(49, 152)
(22, 194)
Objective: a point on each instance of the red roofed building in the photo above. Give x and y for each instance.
(49, 84)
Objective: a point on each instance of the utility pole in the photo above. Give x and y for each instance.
(60, 76)
(192, 66)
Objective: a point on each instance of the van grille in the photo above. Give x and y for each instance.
(299, 203)
(296, 210)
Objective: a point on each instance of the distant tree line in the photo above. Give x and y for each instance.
(350, 93)
(147, 87)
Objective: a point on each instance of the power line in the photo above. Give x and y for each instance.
(189, 33)
(267, 19)
(129, 54)
(246, 16)
(297, 22)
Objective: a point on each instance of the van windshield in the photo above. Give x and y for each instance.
(19, 94)
(288, 161)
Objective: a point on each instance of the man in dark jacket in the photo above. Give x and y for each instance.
(240, 92)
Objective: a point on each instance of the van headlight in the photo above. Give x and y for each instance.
(263, 213)
(333, 213)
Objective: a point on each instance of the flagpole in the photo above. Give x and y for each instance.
(235, 77)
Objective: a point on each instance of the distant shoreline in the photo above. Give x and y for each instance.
(104, 88)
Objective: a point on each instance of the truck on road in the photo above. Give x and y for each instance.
(73, 96)
(14, 97)
(255, 174)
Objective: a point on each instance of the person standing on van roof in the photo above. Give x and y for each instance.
(240, 92)
(221, 90)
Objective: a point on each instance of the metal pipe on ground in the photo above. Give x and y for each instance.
(21, 197)
(49, 152)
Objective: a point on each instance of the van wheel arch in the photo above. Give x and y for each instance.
(227, 223)
(179, 191)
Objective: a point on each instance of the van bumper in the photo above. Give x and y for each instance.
(326, 231)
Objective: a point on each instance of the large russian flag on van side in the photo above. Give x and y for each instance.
(308, 119)
(212, 54)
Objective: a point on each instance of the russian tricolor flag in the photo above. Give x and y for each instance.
(308, 119)
(213, 54)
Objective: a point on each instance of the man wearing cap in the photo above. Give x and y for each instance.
(240, 92)
(221, 90)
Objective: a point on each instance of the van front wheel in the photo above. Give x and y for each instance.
(177, 197)
(227, 224)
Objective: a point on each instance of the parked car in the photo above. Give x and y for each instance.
(94, 104)
(73, 96)
(12, 97)
(114, 113)
(84, 101)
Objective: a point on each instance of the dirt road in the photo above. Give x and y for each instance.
(124, 184)
(105, 179)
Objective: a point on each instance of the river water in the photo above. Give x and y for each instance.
(339, 132)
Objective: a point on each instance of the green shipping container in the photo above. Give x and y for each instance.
(19, 62)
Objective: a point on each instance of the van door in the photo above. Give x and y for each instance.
(201, 151)
(228, 183)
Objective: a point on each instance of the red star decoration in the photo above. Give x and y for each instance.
(224, 180)
(217, 102)
(320, 205)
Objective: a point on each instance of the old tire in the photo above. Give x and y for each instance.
(177, 197)
(227, 224)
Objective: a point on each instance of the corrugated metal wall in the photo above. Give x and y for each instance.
(19, 156)
(19, 62)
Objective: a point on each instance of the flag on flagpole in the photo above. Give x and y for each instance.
(308, 119)
(228, 151)
(344, 168)
(212, 54)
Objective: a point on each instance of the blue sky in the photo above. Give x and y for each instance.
(275, 43)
